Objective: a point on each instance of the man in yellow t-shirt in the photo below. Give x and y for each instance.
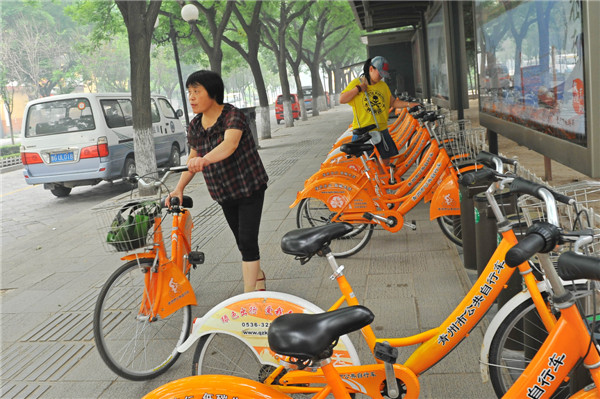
(374, 109)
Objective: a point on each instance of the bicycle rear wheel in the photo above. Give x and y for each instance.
(518, 339)
(313, 212)
(451, 227)
(129, 343)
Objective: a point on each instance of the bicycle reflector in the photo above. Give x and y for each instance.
(130, 227)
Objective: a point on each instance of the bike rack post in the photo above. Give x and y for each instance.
(467, 224)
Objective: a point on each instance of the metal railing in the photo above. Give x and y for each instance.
(10, 161)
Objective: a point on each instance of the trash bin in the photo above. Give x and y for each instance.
(250, 113)
(467, 224)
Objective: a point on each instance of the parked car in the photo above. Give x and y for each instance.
(307, 91)
(82, 139)
(279, 107)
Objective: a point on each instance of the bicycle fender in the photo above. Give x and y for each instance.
(214, 386)
(503, 312)
(248, 316)
(350, 171)
(445, 200)
(337, 194)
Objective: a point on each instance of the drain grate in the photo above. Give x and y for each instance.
(21, 390)
(64, 326)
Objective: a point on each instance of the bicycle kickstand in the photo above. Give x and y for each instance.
(412, 225)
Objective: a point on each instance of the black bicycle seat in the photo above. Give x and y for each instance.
(309, 336)
(308, 241)
(363, 130)
(356, 149)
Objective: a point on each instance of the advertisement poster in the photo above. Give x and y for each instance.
(531, 73)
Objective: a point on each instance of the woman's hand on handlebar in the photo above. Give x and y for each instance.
(174, 194)
(197, 164)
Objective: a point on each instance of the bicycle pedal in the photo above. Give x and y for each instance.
(385, 352)
(196, 258)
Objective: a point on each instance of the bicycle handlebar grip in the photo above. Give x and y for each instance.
(481, 176)
(415, 108)
(525, 249)
(488, 158)
(133, 178)
(429, 116)
(522, 186)
(573, 266)
(542, 237)
(182, 168)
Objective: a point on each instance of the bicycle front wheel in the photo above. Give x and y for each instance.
(518, 339)
(130, 344)
(224, 354)
(314, 212)
(451, 227)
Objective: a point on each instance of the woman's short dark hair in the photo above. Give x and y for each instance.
(366, 70)
(211, 81)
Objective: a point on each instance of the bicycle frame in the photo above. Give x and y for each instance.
(167, 287)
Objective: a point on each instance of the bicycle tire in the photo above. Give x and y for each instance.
(141, 350)
(313, 212)
(516, 341)
(451, 227)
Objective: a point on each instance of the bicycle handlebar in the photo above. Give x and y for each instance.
(484, 176)
(491, 159)
(524, 249)
(522, 186)
(573, 266)
(135, 178)
(542, 237)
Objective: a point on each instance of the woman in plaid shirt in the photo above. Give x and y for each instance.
(223, 149)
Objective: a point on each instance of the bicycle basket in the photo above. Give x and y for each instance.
(587, 196)
(131, 226)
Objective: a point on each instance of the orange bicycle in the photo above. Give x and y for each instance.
(305, 343)
(364, 199)
(143, 311)
(232, 336)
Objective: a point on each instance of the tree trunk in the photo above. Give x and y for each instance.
(139, 30)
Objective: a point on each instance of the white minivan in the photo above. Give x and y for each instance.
(82, 139)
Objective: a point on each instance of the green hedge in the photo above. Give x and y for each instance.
(10, 149)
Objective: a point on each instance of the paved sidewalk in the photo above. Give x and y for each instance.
(411, 280)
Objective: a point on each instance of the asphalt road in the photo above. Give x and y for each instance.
(28, 209)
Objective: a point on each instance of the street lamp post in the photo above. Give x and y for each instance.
(173, 37)
(188, 13)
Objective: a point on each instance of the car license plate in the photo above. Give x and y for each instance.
(62, 157)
